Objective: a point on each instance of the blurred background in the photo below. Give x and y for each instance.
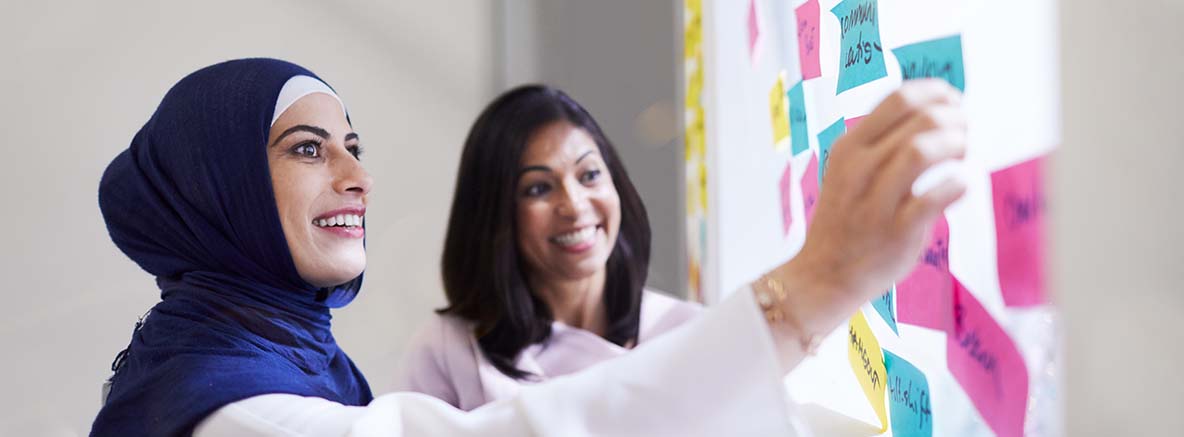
(81, 77)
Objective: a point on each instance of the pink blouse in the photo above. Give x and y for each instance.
(444, 360)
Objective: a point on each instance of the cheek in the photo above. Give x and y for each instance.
(532, 224)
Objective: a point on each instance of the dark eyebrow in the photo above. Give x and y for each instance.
(585, 155)
(302, 128)
(351, 136)
(534, 168)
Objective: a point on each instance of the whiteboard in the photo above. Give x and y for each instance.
(1011, 99)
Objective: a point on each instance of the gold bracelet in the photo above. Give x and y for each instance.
(771, 296)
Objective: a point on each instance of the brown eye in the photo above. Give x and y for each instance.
(537, 190)
(590, 175)
(307, 149)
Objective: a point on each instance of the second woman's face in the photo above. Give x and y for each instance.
(568, 209)
(320, 189)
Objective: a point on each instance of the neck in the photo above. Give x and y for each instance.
(577, 303)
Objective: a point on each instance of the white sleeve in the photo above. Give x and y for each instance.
(716, 375)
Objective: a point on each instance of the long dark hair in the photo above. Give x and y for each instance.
(483, 270)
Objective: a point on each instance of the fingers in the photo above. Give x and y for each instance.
(912, 96)
(930, 136)
(921, 211)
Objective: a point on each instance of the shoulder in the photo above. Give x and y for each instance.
(441, 333)
(661, 313)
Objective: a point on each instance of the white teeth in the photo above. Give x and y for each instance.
(339, 220)
(575, 237)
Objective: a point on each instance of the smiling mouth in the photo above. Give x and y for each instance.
(578, 239)
(346, 223)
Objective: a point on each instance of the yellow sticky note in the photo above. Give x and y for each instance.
(867, 360)
(779, 112)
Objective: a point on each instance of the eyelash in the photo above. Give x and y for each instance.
(540, 189)
(355, 150)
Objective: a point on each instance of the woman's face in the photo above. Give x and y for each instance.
(320, 189)
(568, 209)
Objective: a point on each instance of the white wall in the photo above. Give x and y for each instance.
(1118, 217)
(79, 78)
(619, 59)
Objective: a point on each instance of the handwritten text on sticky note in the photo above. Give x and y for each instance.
(810, 188)
(1018, 197)
(779, 113)
(797, 119)
(863, 351)
(826, 139)
(925, 296)
(986, 363)
(885, 306)
(940, 58)
(861, 56)
(908, 398)
(808, 38)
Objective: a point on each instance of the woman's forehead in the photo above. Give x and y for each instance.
(559, 143)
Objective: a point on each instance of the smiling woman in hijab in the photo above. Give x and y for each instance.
(244, 196)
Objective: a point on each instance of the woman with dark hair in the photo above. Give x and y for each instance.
(244, 197)
(559, 281)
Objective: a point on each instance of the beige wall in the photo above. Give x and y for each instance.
(1119, 219)
(80, 77)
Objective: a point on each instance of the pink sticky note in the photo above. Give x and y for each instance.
(924, 297)
(807, 17)
(754, 32)
(1018, 194)
(986, 363)
(786, 209)
(810, 188)
(851, 122)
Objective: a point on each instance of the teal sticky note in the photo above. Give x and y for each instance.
(886, 306)
(797, 119)
(940, 58)
(908, 398)
(827, 138)
(861, 56)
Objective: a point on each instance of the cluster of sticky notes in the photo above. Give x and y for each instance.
(923, 298)
(779, 113)
(861, 56)
(987, 365)
(808, 38)
(867, 361)
(1018, 197)
(940, 58)
(826, 139)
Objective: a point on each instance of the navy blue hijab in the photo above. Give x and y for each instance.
(191, 202)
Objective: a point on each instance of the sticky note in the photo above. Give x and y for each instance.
(885, 305)
(851, 122)
(985, 362)
(754, 33)
(779, 113)
(861, 56)
(908, 398)
(863, 350)
(826, 139)
(797, 119)
(1018, 196)
(786, 209)
(808, 38)
(810, 188)
(940, 58)
(925, 296)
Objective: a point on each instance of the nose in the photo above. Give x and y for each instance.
(573, 201)
(349, 176)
